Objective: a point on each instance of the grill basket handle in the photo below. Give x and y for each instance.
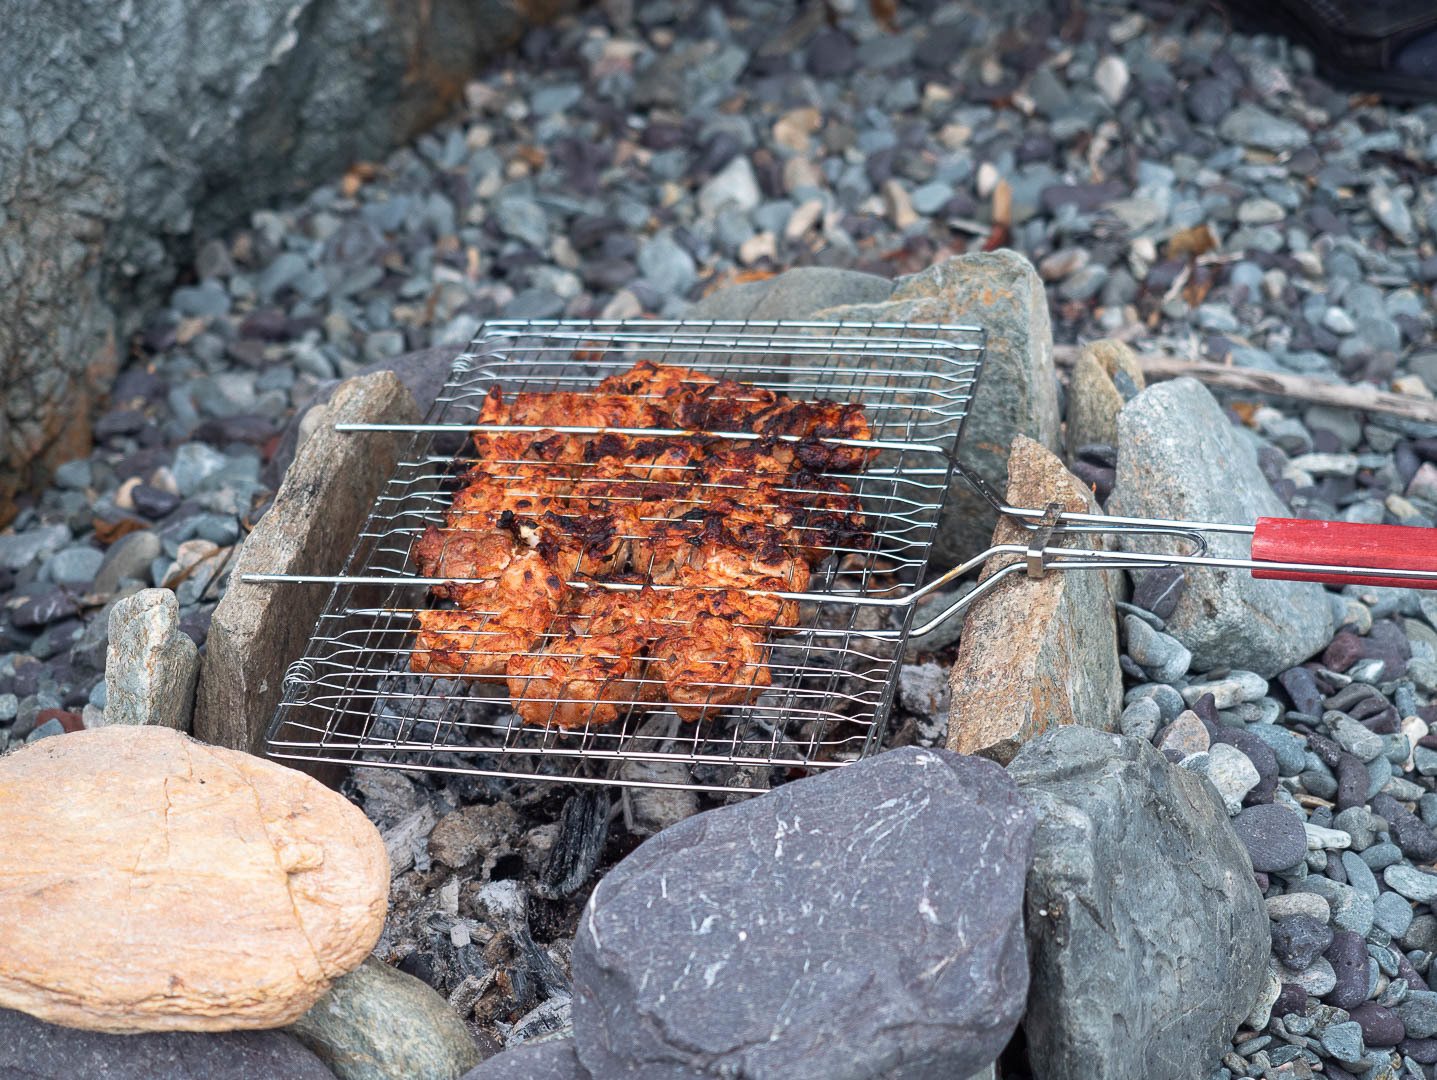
(1345, 544)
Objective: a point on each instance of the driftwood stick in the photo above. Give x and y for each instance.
(1343, 395)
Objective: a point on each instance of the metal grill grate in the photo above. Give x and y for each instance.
(352, 698)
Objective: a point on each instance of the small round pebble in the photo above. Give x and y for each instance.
(1273, 835)
(1343, 1041)
(1411, 883)
(1298, 940)
(1348, 956)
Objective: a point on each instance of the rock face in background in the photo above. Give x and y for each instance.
(126, 132)
(1017, 393)
(1036, 653)
(216, 891)
(864, 923)
(1179, 457)
(1147, 934)
(36, 1050)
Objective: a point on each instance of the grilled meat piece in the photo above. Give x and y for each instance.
(477, 642)
(722, 525)
(578, 679)
(482, 554)
(700, 402)
(709, 665)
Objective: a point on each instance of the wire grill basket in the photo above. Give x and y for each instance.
(353, 699)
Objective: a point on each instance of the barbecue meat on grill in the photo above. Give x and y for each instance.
(580, 678)
(701, 403)
(708, 665)
(704, 530)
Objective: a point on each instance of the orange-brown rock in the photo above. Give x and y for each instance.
(1036, 652)
(151, 883)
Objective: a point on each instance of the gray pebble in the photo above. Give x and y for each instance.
(1411, 883)
(1392, 913)
(1381, 856)
(75, 565)
(1162, 657)
(1140, 719)
(1343, 1041)
(1353, 737)
(1359, 875)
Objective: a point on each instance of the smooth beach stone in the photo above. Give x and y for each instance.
(153, 883)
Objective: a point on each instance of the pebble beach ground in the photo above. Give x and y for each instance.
(1177, 183)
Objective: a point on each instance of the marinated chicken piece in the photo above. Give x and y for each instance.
(572, 409)
(505, 454)
(481, 554)
(596, 543)
(578, 679)
(658, 460)
(483, 505)
(657, 383)
(477, 642)
(719, 525)
(708, 665)
(699, 402)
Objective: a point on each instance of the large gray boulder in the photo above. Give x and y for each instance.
(1179, 457)
(35, 1050)
(861, 924)
(126, 132)
(1147, 934)
(1017, 393)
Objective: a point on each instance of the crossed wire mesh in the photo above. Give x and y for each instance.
(352, 698)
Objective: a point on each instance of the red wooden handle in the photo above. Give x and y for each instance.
(1342, 543)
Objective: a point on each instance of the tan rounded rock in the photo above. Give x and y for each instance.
(149, 882)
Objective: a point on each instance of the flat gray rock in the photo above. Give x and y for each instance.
(1138, 886)
(1017, 391)
(861, 924)
(258, 630)
(1179, 457)
(35, 1050)
(551, 1060)
(150, 663)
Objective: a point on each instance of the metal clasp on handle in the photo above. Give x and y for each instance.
(1042, 533)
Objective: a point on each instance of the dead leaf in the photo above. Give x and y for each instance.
(1245, 410)
(359, 174)
(1198, 240)
(107, 532)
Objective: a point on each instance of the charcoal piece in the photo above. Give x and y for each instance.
(583, 828)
